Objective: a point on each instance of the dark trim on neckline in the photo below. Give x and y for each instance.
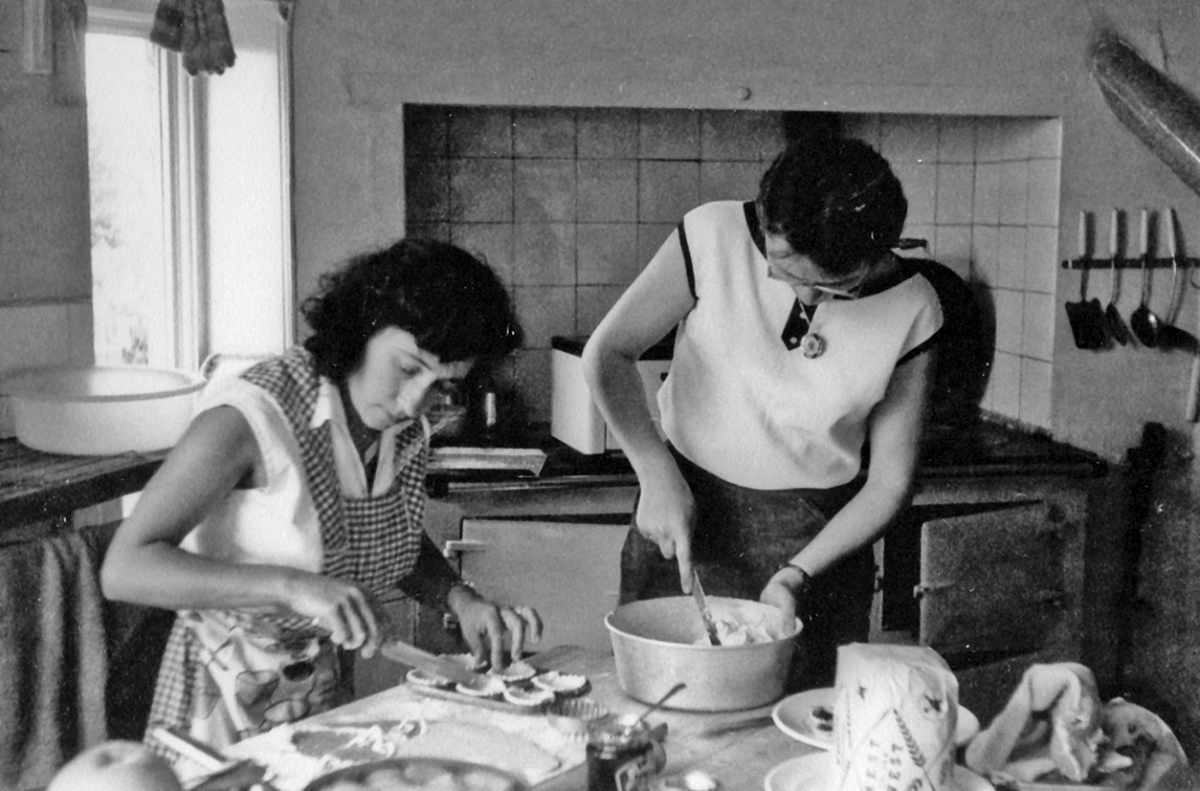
(756, 231)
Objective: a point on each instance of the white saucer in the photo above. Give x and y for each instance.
(793, 716)
(814, 772)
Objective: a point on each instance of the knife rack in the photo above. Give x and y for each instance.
(1130, 263)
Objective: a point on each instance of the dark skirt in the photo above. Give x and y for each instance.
(741, 539)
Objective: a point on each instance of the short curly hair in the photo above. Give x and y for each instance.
(452, 302)
(836, 200)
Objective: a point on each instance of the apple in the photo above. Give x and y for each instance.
(116, 765)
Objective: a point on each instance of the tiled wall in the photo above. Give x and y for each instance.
(985, 193)
(568, 204)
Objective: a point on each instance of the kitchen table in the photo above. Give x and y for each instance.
(737, 748)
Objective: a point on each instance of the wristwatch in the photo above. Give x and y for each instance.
(805, 578)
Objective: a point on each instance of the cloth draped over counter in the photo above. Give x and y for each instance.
(74, 669)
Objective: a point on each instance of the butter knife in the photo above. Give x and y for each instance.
(710, 626)
(405, 654)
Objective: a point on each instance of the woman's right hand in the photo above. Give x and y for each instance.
(345, 610)
(666, 515)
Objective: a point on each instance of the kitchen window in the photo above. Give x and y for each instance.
(190, 192)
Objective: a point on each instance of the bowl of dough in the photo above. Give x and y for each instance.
(659, 642)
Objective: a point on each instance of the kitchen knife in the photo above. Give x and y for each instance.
(710, 626)
(405, 654)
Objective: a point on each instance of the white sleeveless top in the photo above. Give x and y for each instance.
(278, 522)
(746, 408)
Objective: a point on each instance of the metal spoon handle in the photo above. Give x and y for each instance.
(658, 704)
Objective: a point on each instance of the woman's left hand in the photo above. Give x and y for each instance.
(485, 624)
(782, 591)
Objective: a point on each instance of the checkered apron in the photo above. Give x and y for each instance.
(226, 675)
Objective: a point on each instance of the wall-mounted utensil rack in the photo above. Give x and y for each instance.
(1129, 263)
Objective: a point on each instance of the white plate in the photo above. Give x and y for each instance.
(814, 772)
(793, 716)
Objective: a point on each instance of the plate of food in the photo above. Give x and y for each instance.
(808, 717)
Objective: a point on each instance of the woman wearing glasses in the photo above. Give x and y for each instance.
(800, 339)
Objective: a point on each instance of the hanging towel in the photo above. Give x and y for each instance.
(53, 653)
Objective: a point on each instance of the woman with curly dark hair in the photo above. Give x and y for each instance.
(297, 496)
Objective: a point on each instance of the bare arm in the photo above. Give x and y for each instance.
(653, 304)
(145, 565)
(895, 433)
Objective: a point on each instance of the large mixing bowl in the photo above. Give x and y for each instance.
(659, 642)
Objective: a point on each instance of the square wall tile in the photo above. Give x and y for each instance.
(730, 180)
(426, 132)
(1003, 392)
(1043, 178)
(667, 190)
(909, 138)
(956, 140)
(544, 254)
(1010, 257)
(1010, 319)
(919, 180)
(668, 134)
(606, 133)
(1041, 259)
(544, 311)
(989, 139)
(986, 202)
(1013, 137)
(650, 237)
(543, 133)
(952, 247)
(740, 135)
(544, 190)
(481, 190)
(984, 241)
(955, 191)
(607, 254)
(1035, 393)
(427, 190)
(1045, 138)
(1013, 193)
(480, 132)
(607, 190)
(1037, 336)
(493, 242)
(593, 304)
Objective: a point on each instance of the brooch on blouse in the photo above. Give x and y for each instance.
(797, 332)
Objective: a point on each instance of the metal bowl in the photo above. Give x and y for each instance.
(659, 642)
(418, 772)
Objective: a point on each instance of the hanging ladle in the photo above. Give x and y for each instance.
(1170, 336)
(1143, 322)
(1112, 316)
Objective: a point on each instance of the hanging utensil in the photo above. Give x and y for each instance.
(1112, 315)
(1170, 336)
(1144, 323)
(710, 626)
(1087, 318)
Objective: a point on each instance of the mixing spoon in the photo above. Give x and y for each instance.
(658, 704)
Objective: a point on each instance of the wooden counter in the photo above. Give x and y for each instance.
(36, 486)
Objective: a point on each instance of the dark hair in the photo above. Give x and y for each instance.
(835, 200)
(452, 303)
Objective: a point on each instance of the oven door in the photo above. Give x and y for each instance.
(992, 584)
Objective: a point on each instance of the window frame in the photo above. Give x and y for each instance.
(183, 118)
